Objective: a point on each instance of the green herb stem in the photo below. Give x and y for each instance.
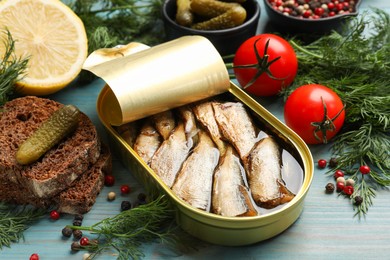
(303, 50)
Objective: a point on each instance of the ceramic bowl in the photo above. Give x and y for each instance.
(293, 24)
(225, 41)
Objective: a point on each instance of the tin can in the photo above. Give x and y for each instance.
(178, 73)
(216, 229)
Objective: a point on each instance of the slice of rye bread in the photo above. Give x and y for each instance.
(80, 198)
(77, 199)
(61, 165)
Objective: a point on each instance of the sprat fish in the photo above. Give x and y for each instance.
(170, 156)
(194, 181)
(147, 142)
(230, 196)
(204, 112)
(164, 123)
(236, 126)
(264, 174)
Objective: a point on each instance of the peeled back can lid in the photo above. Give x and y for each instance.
(145, 81)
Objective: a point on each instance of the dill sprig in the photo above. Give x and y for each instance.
(14, 220)
(114, 22)
(121, 21)
(130, 229)
(11, 67)
(355, 64)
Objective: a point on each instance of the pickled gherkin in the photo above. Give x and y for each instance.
(58, 126)
(210, 14)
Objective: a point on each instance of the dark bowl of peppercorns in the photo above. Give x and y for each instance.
(310, 16)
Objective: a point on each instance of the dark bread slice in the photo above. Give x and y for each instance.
(80, 198)
(60, 166)
(77, 199)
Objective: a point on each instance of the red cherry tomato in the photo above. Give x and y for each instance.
(264, 64)
(315, 112)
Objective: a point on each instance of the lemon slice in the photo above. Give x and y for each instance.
(52, 36)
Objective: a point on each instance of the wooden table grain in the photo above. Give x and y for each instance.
(326, 228)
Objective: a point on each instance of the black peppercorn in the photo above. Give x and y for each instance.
(67, 232)
(77, 222)
(75, 246)
(329, 188)
(77, 234)
(79, 217)
(125, 205)
(333, 162)
(358, 200)
(142, 197)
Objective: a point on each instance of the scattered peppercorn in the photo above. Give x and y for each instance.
(75, 246)
(340, 179)
(125, 189)
(109, 180)
(67, 231)
(141, 197)
(54, 215)
(125, 205)
(350, 182)
(34, 257)
(338, 173)
(77, 222)
(348, 190)
(84, 241)
(78, 217)
(77, 234)
(340, 186)
(111, 196)
(321, 163)
(333, 162)
(358, 200)
(329, 188)
(364, 169)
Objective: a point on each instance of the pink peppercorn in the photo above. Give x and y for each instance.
(348, 190)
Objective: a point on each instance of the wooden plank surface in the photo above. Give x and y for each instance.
(325, 230)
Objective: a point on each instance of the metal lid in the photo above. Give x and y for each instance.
(145, 81)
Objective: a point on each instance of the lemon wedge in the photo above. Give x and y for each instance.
(52, 36)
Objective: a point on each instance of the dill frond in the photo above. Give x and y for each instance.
(14, 220)
(11, 67)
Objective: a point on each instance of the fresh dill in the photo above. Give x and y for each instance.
(11, 67)
(355, 64)
(114, 22)
(130, 229)
(14, 220)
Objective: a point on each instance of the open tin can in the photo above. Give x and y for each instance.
(207, 226)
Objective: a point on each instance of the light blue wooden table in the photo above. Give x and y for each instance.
(325, 230)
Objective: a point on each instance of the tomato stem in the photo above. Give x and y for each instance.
(262, 66)
(326, 124)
